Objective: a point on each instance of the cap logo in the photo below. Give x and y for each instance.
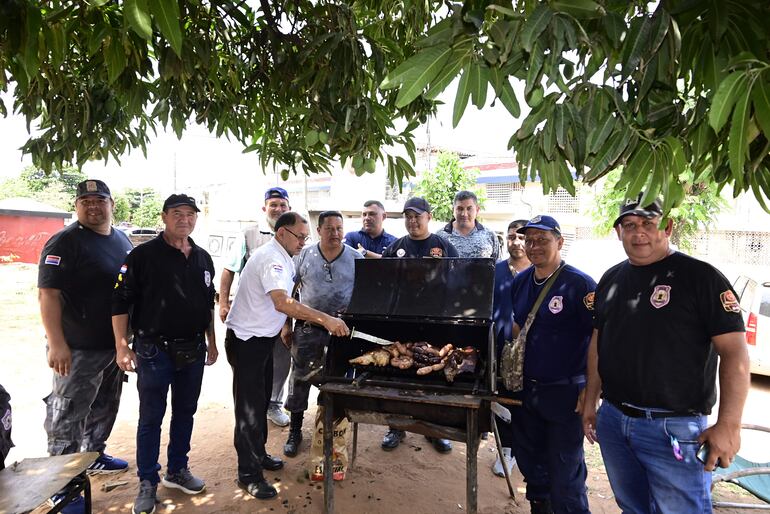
(660, 297)
(536, 219)
(91, 186)
(630, 201)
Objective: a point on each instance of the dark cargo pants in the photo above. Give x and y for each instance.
(81, 409)
(307, 351)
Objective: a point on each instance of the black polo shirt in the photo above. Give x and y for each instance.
(166, 293)
(82, 265)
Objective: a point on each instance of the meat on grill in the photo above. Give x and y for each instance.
(461, 360)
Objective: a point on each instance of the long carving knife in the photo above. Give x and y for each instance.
(368, 337)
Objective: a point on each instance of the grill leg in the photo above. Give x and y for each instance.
(471, 469)
(355, 444)
(502, 458)
(328, 439)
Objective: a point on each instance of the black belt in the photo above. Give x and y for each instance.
(577, 379)
(633, 412)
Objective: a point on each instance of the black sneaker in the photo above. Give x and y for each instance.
(271, 463)
(291, 448)
(392, 439)
(260, 489)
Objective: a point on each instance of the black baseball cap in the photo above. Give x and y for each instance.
(179, 200)
(541, 222)
(417, 204)
(632, 208)
(93, 187)
(276, 192)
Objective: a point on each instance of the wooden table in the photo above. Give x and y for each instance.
(469, 409)
(27, 484)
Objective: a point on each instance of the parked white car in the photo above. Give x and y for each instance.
(755, 303)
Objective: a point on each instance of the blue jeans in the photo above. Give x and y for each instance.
(548, 445)
(155, 372)
(643, 472)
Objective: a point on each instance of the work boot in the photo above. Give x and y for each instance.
(291, 448)
(259, 489)
(392, 439)
(271, 463)
(540, 507)
(277, 415)
(510, 461)
(145, 500)
(185, 481)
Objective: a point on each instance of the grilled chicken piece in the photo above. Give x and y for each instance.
(402, 362)
(372, 358)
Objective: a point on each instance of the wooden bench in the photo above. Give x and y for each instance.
(26, 485)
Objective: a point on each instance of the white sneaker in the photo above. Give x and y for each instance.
(510, 461)
(277, 415)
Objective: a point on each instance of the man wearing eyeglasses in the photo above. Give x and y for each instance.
(254, 236)
(547, 430)
(77, 271)
(324, 279)
(255, 323)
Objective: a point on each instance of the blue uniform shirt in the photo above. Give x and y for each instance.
(376, 244)
(557, 343)
(502, 307)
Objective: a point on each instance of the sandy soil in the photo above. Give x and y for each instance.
(413, 478)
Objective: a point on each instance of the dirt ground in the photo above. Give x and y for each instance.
(413, 478)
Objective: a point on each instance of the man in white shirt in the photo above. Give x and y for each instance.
(265, 286)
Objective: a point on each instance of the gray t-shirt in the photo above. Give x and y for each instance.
(326, 285)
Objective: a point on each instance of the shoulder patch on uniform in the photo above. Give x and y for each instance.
(277, 267)
(556, 304)
(53, 260)
(660, 296)
(436, 252)
(207, 278)
(729, 301)
(588, 300)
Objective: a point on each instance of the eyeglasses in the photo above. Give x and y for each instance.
(328, 270)
(304, 239)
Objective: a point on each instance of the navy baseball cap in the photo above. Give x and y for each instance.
(178, 201)
(632, 208)
(541, 222)
(93, 187)
(417, 204)
(276, 192)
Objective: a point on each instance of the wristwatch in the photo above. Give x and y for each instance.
(362, 251)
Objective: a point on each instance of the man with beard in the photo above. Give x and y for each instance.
(468, 236)
(254, 236)
(325, 273)
(76, 276)
(372, 239)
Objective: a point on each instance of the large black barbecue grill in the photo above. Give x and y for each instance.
(439, 301)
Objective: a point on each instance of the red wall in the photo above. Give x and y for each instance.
(22, 237)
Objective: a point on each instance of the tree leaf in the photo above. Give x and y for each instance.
(166, 14)
(608, 154)
(582, 9)
(738, 144)
(460, 57)
(534, 25)
(425, 66)
(638, 169)
(560, 126)
(479, 83)
(600, 133)
(137, 14)
(461, 97)
(731, 88)
(115, 57)
(637, 41)
(30, 59)
(508, 97)
(761, 101)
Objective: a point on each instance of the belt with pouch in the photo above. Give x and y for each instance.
(182, 350)
(636, 412)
